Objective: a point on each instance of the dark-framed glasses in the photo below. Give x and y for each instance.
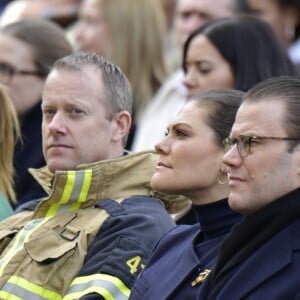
(7, 72)
(245, 142)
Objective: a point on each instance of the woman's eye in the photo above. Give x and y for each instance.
(204, 67)
(204, 70)
(180, 133)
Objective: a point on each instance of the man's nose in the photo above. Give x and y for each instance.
(57, 123)
(232, 157)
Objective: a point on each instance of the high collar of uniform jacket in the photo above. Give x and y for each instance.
(117, 178)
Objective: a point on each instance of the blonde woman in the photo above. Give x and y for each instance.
(131, 34)
(9, 134)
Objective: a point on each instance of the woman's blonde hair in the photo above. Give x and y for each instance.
(9, 135)
(137, 32)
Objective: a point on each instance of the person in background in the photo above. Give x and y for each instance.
(131, 34)
(93, 234)
(283, 16)
(169, 10)
(189, 15)
(62, 12)
(190, 164)
(260, 258)
(214, 55)
(171, 49)
(9, 134)
(28, 50)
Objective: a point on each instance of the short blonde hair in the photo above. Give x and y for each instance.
(9, 135)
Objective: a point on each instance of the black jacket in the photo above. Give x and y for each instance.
(29, 154)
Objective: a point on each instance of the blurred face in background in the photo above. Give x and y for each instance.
(25, 90)
(91, 34)
(191, 14)
(282, 19)
(206, 68)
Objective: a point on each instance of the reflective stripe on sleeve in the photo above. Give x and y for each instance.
(109, 287)
(9, 296)
(21, 238)
(19, 288)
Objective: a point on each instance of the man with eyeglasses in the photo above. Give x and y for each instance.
(260, 259)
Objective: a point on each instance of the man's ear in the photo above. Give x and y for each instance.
(122, 123)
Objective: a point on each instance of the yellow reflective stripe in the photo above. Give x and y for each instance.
(25, 287)
(5, 295)
(84, 190)
(4, 261)
(66, 194)
(109, 287)
(21, 238)
(68, 187)
(101, 291)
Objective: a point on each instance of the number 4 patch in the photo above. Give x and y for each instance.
(134, 264)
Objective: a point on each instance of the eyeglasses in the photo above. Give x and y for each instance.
(245, 142)
(7, 72)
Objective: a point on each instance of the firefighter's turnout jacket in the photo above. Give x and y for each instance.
(91, 236)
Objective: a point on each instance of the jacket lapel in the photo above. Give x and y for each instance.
(270, 259)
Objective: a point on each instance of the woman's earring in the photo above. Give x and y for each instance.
(223, 177)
